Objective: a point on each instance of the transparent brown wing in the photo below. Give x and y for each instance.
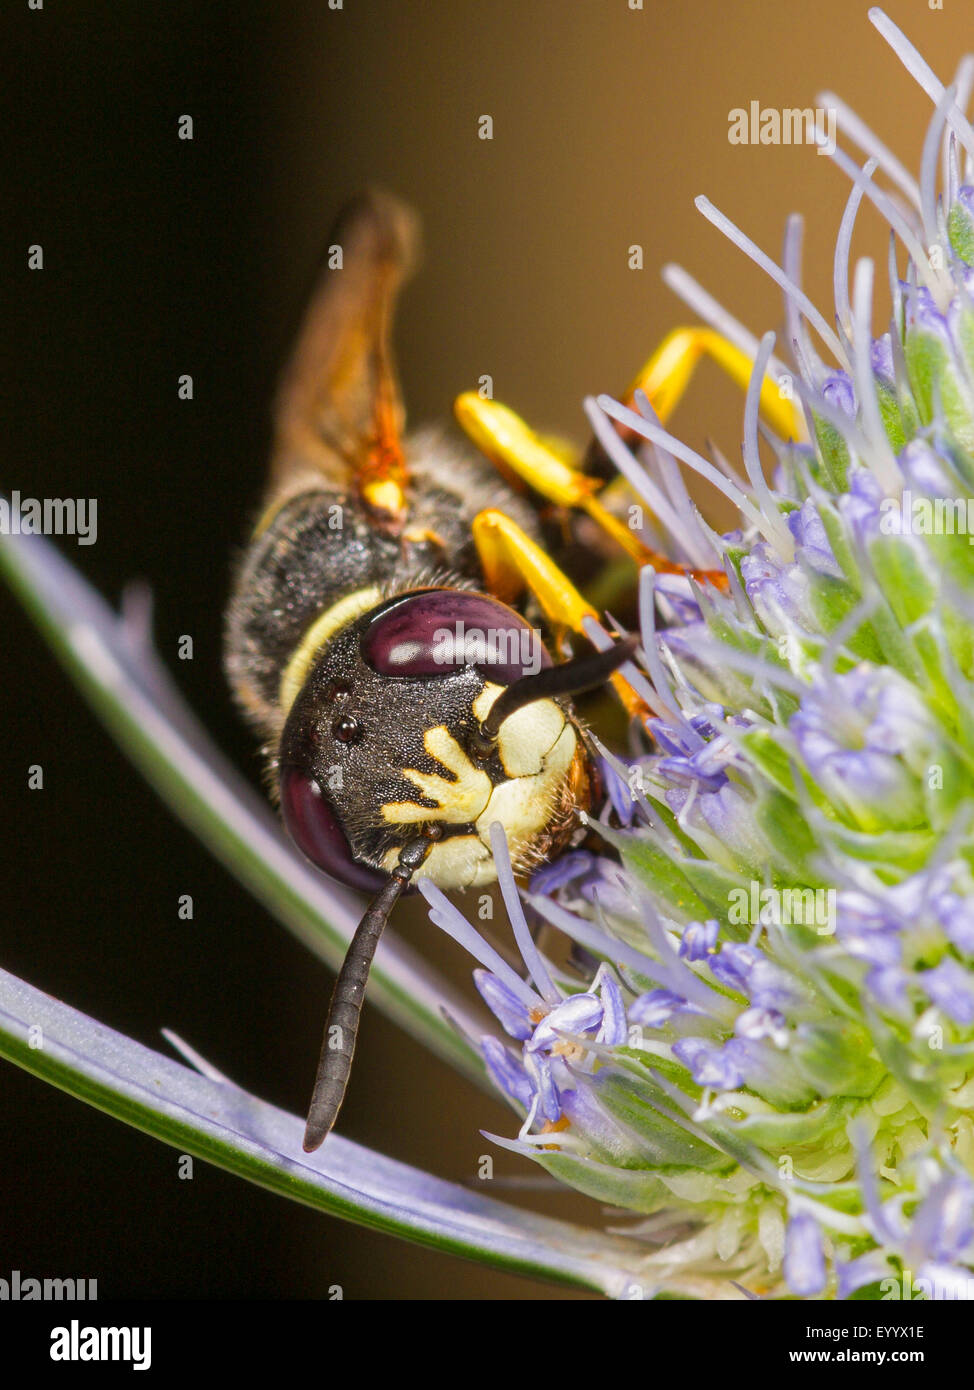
(338, 408)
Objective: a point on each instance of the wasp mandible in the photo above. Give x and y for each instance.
(405, 703)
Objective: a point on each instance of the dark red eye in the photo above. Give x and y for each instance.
(436, 631)
(315, 829)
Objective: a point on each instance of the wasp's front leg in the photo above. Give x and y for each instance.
(514, 447)
(505, 438)
(666, 376)
(513, 562)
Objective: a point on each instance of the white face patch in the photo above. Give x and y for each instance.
(526, 736)
(524, 804)
(463, 861)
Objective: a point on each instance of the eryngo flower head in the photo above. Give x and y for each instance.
(867, 739)
(763, 1041)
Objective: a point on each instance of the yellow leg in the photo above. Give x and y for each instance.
(667, 374)
(513, 445)
(515, 448)
(512, 562)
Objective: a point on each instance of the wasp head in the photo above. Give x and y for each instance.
(386, 739)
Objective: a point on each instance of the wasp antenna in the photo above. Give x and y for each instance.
(345, 1009)
(570, 678)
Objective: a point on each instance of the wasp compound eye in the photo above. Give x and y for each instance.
(315, 829)
(436, 631)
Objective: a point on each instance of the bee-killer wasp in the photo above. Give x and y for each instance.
(406, 706)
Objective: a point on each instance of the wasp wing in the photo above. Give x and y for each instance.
(339, 410)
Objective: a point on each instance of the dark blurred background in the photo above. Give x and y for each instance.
(164, 257)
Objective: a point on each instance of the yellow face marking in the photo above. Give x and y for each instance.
(346, 610)
(457, 801)
(526, 735)
(523, 806)
(537, 748)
